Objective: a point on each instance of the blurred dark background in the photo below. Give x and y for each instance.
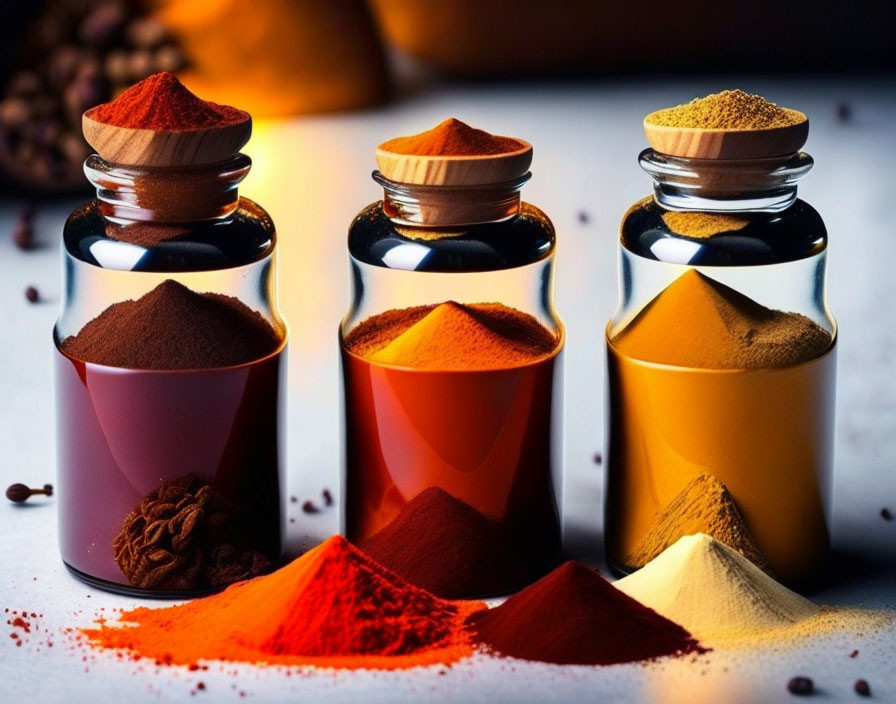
(279, 58)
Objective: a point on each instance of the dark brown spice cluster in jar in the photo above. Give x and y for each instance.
(181, 538)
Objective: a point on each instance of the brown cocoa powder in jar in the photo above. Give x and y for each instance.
(172, 327)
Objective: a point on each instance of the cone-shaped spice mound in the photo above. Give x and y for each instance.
(703, 506)
(699, 322)
(730, 109)
(333, 607)
(715, 592)
(444, 545)
(452, 336)
(452, 138)
(162, 102)
(575, 616)
(172, 327)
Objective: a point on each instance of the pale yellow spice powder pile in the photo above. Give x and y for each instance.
(723, 599)
(728, 110)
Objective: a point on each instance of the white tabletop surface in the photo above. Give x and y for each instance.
(312, 174)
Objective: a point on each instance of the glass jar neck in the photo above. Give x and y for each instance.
(725, 185)
(450, 206)
(127, 194)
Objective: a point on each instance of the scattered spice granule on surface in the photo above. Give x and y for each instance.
(862, 688)
(886, 514)
(844, 111)
(309, 507)
(583, 217)
(328, 497)
(854, 654)
(32, 295)
(800, 686)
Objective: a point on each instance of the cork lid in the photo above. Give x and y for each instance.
(158, 122)
(454, 154)
(727, 125)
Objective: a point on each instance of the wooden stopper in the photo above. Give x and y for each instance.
(137, 147)
(728, 143)
(438, 170)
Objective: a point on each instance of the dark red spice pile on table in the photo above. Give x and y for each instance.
(573, 616)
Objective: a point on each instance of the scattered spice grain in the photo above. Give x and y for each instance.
(862, 688)
(800, 686)
(32, 295)
(886, 514)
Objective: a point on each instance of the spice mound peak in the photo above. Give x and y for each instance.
(453, 336)
(704, 506)
(453, 138)
(474, 556)
(715, 592)
(700, 323)
(162, 103)
(728, 110)
(333, 607)
(573, 616)
(172, 327)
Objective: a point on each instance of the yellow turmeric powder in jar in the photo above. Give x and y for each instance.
(721, 405)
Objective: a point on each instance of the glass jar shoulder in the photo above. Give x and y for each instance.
(245, 236)
(523, 239)
(736, 238)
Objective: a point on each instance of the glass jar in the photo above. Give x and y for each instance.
(763, 429)
(484, 436)
(169, 479)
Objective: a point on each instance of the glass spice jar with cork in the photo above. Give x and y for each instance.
(721, 354)
(170, 354)
(450, 353)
